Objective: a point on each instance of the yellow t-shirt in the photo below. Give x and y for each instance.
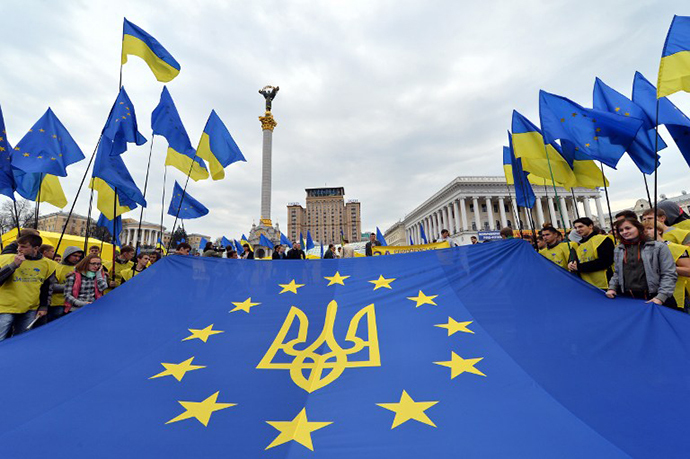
(128, 274)
(61, 273)
(588, 252)
(116, 272)
(21, 292)
(560, 254)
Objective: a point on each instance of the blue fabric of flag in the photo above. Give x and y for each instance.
(600, 135)
(225, 242)
(7, 183)
(380, 238)
(310, 241)
(641, 150)
(112, 170)
(487, 365)
(183, 205)
(47, 148)
(266, 242)
(121, 127)
(411, 241)
(202, 243)
(238, 247)
(423, 234)
(677, 123)
(113, 227)
(285, 241)
(524, 194)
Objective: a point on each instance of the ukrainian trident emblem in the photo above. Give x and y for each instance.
(324, 360)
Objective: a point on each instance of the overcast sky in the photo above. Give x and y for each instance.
(390, 100)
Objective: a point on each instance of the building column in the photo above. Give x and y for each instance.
(477, 218)
(463, 214)
(600, 211)
(456, 209)
(502, 212)
(564, 209)
(540, 212)
(588, 209)
(490, 213)
(552, 212)
(446, 219)
(437, 224)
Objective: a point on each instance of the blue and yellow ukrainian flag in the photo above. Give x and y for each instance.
(218, 147)
(39, 187)
(166, 122)
(674, 69)
(528, 145)
(136, 42)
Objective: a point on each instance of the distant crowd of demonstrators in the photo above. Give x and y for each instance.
(647, 259)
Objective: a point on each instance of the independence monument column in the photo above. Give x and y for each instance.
(267, 125)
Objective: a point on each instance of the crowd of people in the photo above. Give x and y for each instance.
(39, 286)
(647, 259)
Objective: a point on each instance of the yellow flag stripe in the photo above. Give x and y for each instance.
(183, 164)
(105, 199)
(163, 71)
(674, 74)
(204, 152)
(52, 192)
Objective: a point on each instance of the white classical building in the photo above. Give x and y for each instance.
(468, 205)
(148, 236)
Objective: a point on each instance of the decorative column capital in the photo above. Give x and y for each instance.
(267, 121)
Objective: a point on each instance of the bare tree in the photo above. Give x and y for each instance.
(8, 219)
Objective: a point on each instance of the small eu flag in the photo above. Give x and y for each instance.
(121, 126)
(184, 206)
(600, 135)
(47, 148)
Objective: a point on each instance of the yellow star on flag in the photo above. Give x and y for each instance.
(299, 430)
(336, 279)
(382, 282)
(421, 299)
(407, 409)
(617, 109)
(26, 154)
(245, 305)
(458, 365)
(291, 287)
(177, 370)
(454, 326)
(203, 333)
(201, 410)
(41, 130)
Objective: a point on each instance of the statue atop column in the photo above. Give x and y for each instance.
(269, 93)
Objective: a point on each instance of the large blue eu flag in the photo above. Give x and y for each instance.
(47, 148)
(437, 354)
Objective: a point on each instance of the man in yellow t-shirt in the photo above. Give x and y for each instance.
(594, 261)
(25, 286)
(556, 250)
